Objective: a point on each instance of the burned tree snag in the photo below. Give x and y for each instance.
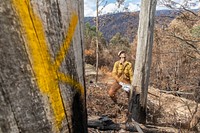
(138, 100)
(42, 85)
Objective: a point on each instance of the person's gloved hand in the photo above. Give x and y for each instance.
(125, 87)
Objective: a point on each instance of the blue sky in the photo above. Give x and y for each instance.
(131, 5)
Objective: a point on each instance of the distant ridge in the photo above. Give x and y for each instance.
(126, 23)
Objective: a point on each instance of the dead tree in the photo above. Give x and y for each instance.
(97, 39)
(138, 100)
(42, 85)
(98, 12)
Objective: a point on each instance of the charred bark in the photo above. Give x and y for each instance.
(137, 109)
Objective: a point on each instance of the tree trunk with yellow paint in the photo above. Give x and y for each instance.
(137, 104)
(42, 85)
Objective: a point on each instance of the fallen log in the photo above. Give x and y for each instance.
(177, 92)
(168, 109)
(104, 124)
(137, 126)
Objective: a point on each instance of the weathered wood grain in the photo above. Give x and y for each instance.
(137, 106)
(42, 87)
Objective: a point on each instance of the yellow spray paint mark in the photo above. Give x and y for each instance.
(65, 45)
(71, 82)
(46, 71)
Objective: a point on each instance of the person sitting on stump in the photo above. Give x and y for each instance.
(123, 75)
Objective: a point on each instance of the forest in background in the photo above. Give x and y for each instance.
(176, 51)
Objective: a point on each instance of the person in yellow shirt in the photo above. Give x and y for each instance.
(123, 75)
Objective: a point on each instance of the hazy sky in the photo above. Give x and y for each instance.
(131, 5)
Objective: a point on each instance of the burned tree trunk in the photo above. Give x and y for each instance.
(42, 87)
(137, 105)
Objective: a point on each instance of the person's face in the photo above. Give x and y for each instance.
(122, 58)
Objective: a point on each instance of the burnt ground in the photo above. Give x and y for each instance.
(165, 111)
(99, 103)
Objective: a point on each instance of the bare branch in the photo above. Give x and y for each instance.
(176, 92)
(186, 17)
(171, 4)
(188, 42)
(195, 58)
(190, 11)
(102, 7)
(120, 2)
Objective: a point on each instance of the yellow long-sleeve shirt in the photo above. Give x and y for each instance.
(122, 72)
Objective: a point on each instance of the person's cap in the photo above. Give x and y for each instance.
(120, 52)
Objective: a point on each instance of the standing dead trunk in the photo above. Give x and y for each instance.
(97, 39)
(138, 101)
(42, 87)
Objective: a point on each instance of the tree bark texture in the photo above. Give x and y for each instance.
(138, 101)
(42, 87)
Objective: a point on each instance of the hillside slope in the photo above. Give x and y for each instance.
(127, 23)
(168, 112)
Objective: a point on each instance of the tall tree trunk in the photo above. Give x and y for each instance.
(42, 85)
(138, 101)
(97, 39)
